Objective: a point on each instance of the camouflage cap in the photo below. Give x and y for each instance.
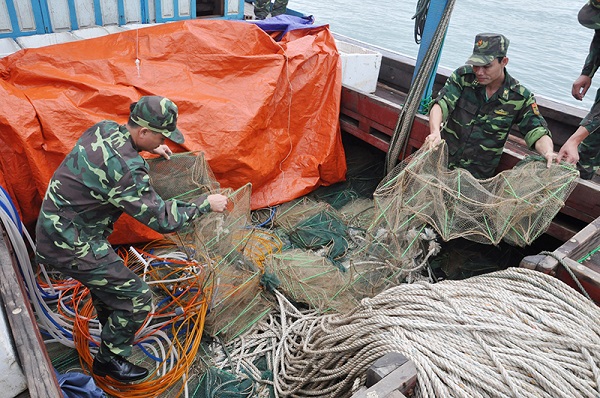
(488, 46)
(589, 15)
(158, 114)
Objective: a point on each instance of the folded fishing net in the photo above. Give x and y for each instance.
(516, 205)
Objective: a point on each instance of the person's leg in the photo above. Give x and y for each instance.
(262, 8)
(589, 156)
(279, 7)
(126, 300)
(123, 301)
(102, 311)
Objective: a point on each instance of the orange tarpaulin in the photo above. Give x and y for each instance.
(262, 111)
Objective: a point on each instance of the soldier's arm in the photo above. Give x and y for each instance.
(138, 198)
(592, 62)
(535, 129)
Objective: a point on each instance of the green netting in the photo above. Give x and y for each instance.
(516, 205)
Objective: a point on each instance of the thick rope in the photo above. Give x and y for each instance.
(413, 100)
(513, 333)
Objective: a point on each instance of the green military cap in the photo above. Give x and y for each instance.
(488, 46)
(589, 15)
(158, 114)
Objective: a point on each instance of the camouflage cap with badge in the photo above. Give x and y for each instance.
(589, 15)
(158, 114)
(488, 46)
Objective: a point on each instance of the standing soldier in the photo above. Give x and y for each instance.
(101, 178)
(477, 107)
(583, 147)
(263, 7)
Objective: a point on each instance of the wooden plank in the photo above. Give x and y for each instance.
(41, 379)
(587, 274)
(403, 379)
(383, 367)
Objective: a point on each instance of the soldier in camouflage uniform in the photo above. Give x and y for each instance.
(583, 147)
(101, 178)
(478, 105)
(263, 7)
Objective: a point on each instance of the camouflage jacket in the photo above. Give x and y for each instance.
(476, 129)
(592, 120)
(101, 178)
(593, 59)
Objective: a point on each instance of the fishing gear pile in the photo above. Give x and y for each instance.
(238, 295)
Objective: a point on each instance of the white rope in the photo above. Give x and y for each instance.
(513, 333)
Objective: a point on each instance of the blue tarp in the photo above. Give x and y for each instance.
(285, 23)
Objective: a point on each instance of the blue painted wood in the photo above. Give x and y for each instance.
(12, 14)
(434, 16)
(73, 15)
(98, 13)
(43, 22)
(38, 18)
(121, 8)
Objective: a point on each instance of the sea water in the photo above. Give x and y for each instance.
(547, 45)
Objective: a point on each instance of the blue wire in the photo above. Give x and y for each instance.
(149, 355)
(14, 215)
(268, 220)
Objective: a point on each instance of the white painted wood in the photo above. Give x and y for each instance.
(185, 8)
(8, 46)
(113, 29)
(133, 11)
(85, 13)
(36, 41)
(90, 33)
(167, 9)
(233, 6)
(25, 15)
(59, 15)
(110, 12)
(12, 380)
(151, 11)
(5, 25)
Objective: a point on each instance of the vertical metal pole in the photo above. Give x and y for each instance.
(434, 16)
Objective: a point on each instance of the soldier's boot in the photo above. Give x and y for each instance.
(119, 369)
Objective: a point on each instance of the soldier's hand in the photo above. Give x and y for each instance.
(569, 153)
(217, 202)
(550, 158)
(581, 86)
(432, 140)
(164, 151)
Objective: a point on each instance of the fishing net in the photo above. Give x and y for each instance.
(516, 205)
(185, 176)
(310, 280)
(220, 277)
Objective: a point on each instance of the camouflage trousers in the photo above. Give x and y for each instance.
(122, 301)
(263, 7)
(589, 149)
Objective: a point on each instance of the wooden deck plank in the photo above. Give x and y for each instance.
(36, 365)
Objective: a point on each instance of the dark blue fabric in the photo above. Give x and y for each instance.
(285, 23)
(78, 385)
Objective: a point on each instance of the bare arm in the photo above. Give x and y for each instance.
(545, 147)
(569, 152)
(435, 124)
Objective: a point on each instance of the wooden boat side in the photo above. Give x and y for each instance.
(34, 360)
(567, 264)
